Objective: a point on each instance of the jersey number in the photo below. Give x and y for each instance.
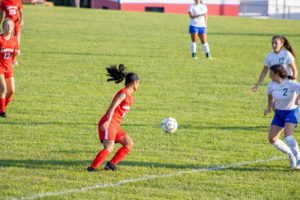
(285, 90)
(6, 56)
(281, 60)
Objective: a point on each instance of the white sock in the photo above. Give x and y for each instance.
(280, 145)
(205, 47)
(193, 47)
(293, 145)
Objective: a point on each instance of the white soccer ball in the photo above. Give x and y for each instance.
(169, 125)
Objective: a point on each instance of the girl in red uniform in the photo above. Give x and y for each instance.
(109, 125)
(8, 50)
(13, 10)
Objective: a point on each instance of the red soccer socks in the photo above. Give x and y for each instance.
(100, 158)
(121, 153)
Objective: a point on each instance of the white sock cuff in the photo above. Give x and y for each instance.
(289, 138)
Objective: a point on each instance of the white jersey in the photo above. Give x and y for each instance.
(283, 58)
(284, 94)
(198, 9)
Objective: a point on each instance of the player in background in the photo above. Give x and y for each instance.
(109, 125)
(279, 56)
(198, 27)
(284, 92)
(8, 49)
(13, 10)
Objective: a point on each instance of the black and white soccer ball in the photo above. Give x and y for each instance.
(169, 125)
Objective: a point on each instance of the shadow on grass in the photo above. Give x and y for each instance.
(46, 123)
(236, 128)
(99, 54)
(253, 34)
(58, 164)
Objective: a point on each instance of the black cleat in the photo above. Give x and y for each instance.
(110, 166)
(3, 114)
(90, 169)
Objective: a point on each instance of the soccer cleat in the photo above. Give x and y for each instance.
(293, 161)
(297, 167)
(90, 169)
(3, 115)
(210, 58)
(110, 166)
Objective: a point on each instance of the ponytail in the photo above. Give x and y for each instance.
(116, 75)
(286, 44)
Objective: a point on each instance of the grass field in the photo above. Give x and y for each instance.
(50, 136)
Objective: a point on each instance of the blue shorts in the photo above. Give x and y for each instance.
(285, 116)
(195, 29)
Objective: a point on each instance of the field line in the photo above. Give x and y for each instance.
(101, 186)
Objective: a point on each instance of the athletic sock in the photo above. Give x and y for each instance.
(193, 47)
(205, 48)
(293, 146)
(280, 145)
(7, 100)
(121, 153)
(2, 105)
(100, 158)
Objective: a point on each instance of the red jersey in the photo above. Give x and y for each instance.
(122, 109)
(7, 51)
(11, 8)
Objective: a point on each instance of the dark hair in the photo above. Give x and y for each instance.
(118, 74)
(279, 69)
(286, 43)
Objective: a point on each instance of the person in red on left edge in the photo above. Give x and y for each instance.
(109, 125)
(8, 49)
(13, 10)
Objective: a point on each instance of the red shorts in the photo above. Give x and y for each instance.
(7, 73)
(17, 29)
(113, 132)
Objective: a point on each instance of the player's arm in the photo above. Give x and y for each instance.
(121, 97)
(261, 78)
(21, 17)
(195, 16)
(294, 70)
(205, 16)
(270, 104)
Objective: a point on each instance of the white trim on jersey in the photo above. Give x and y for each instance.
(106, 134)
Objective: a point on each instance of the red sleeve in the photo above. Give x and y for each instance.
(20, 5)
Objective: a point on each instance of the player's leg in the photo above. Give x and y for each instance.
(107, 137)
(205, 45)
(291, 123)
(102, 155)
(10, 83)
(127, 143)
(3, 90)
(193, 32)
(274, 134)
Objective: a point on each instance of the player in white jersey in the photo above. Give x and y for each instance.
(198, 27)
(284, 91)
(279, 56)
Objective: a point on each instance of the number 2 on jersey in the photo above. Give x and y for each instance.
(285, 90)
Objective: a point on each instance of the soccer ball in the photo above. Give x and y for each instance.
(169, 125)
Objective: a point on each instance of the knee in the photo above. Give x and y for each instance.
(110, 148)
(129, 145)
(272, 139)
(10, 93)
(3, 91)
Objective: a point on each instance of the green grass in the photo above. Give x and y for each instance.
(50, 136)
